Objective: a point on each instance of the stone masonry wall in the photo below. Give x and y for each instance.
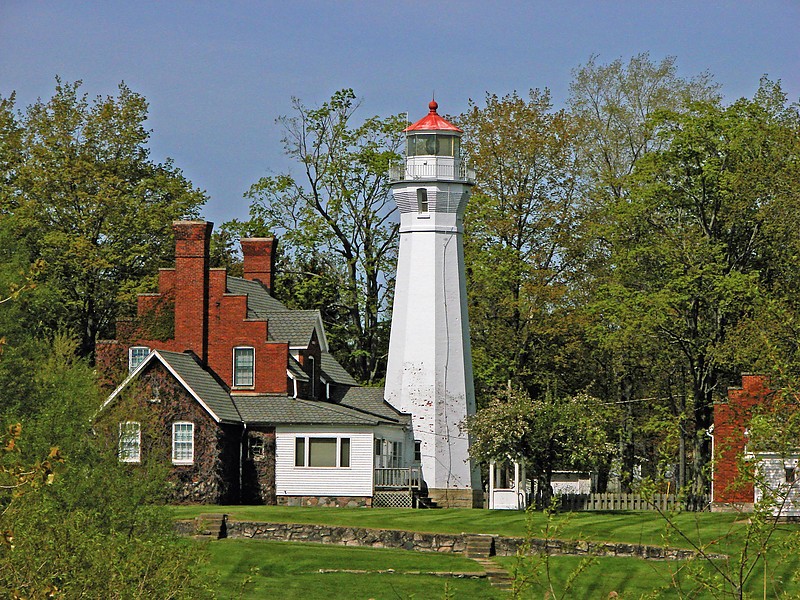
(327, 501)
(438, 542)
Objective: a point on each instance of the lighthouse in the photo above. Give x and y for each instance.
(429, 371)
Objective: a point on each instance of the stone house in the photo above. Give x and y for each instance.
(240, 394)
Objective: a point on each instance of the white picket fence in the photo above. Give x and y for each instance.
(664, 502)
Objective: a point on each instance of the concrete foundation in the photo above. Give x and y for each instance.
(450, 498)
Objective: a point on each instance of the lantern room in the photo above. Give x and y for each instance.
(433, 150)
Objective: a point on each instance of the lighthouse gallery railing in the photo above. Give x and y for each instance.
(434, 169)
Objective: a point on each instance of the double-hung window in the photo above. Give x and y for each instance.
(331, 452)
(182, 443)
(136, 356)
(244, 366)
(130, 442)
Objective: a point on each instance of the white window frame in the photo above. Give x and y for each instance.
(130, 448)
(182, 460)
(236, 383)
(423, 204)
(307, 439)
(312, 367)
(131, 351)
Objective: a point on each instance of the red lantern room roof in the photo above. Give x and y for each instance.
(432, 122)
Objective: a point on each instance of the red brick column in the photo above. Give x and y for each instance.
(192, 240)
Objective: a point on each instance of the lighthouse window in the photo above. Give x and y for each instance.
(433, 145)
(422, 200)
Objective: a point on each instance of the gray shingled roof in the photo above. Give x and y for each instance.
(368, 400)
(259, 301)
(200, 381)
(297, 370)
(334, 372)
(285, 325)
(293, 326)
(283, 410)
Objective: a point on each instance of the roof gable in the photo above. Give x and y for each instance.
(200, 384)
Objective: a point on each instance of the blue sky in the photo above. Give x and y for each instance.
(218, 74)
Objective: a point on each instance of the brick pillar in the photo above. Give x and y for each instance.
(259, 259)
(191, 285)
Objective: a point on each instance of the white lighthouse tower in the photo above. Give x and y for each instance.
(429, 371)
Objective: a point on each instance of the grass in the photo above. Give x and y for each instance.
(254, 569)
(629, 527)
(636, 578)
(293, 570)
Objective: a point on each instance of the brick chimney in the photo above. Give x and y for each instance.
(259, 259)
(192, 240)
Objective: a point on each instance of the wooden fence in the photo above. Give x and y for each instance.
(664, 502)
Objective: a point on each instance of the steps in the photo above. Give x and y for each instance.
(210, 526)
(423, 501)
(479, 546)
(498, 577)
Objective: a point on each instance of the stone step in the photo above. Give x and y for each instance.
(212, 525)
(479, 546)
(498, 577)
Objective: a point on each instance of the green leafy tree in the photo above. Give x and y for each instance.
(74, 521)
(612, 106)
(87, 200)
(545, 433)
(520, 241)
(689, 246)
(337, 212)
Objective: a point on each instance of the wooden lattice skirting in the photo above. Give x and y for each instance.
(392, 500)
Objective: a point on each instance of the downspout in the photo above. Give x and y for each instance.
(710, 433)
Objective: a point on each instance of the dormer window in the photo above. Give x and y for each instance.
(244, 365)
(422, 200)
(136, 356)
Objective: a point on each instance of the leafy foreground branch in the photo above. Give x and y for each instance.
(77, 524)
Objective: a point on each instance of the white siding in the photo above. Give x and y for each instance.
(772, 472)
(355, 480)
(397, 434)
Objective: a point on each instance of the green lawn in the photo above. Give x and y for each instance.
(636, 578)
(254, 569)
(629, 527)
(292, 570)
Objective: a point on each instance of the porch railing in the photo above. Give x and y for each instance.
(400, 478)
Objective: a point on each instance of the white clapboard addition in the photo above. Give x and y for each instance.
(429, 372)
(354, 479)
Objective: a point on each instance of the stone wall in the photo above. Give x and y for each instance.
(327, 501)
(438, 542)
(347, 536)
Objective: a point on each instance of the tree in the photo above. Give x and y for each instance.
(338, 213)
(545, 433)
(74, 521)
(520, 239)
(613, 105)
(87, 199)
(689, 245)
